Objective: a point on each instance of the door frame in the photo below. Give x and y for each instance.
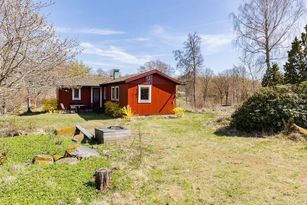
(100, 96)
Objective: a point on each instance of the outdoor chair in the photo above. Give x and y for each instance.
(64, 110)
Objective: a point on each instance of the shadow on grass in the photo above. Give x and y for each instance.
(232, 132)
(94, 116)
(32, 113)
(90, 184)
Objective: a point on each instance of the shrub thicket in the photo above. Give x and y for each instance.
(271, 109)
(179, 112)
(113, 109)
(127, 113)
(50, 105)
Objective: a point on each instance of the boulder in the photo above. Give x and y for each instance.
(67, 160)
(71, 148)
(78, 138)
(57, 157)
(43, 159)
(66, 131)
(80, 152)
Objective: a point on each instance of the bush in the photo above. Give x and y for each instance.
(179, 112)
(113, 109)
(271, 109)
(50, 105)
(127, 112)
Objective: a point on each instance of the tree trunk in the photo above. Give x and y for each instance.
(227, 96)
(266, 36)
(29, 104)
(186, 95)
(194, 91)
(103, 179)
(205, 96)
(2, 103)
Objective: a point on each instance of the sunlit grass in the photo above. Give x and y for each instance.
(177, 161)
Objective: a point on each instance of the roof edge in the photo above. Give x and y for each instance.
(141, 75)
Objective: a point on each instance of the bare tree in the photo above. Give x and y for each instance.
(219, 84)
(101, 72)
(158, 65)
(223, 84)
(190, 61)
(207, 75)
(29, 48)
(262, 26)
(239, 84)
(254, 69)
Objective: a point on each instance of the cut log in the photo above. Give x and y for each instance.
(85, 132)
(103, 179)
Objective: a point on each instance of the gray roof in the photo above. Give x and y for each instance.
(85, 81)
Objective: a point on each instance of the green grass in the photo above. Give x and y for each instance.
(177, 161)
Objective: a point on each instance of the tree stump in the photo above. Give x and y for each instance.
(103, 179)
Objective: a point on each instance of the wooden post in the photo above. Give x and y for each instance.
(103, 179)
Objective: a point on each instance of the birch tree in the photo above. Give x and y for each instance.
(189, 61)
(262, 26)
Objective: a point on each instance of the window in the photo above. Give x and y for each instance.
(144, 94)
(76, 94)
(115, 93)
(105, 93)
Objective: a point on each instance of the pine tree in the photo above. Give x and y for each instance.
(296, 67)
(303, 70)
(272, 77)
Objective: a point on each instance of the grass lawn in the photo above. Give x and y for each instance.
(175, 161)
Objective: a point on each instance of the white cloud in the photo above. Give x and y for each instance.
(103, 64)
(166, 37)
(211, 43)
(141, 39)
(114, 53)
(94, 31)
(214, 42)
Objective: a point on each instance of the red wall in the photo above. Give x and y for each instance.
(123, 94)
(163, 99)
(65, 97)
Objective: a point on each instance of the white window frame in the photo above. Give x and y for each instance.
(139, 94)
(104, 93)
(116, 93)
(73, 93)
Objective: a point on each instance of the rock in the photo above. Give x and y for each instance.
(57, 157)
(66, 131)
(78, 138)
(43, 159)
(81, 152)
(72, 148)
(67, 160)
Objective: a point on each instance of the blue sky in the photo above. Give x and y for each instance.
(126, 34)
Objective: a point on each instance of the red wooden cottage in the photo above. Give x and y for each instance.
(148, 93)
(81, 93)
